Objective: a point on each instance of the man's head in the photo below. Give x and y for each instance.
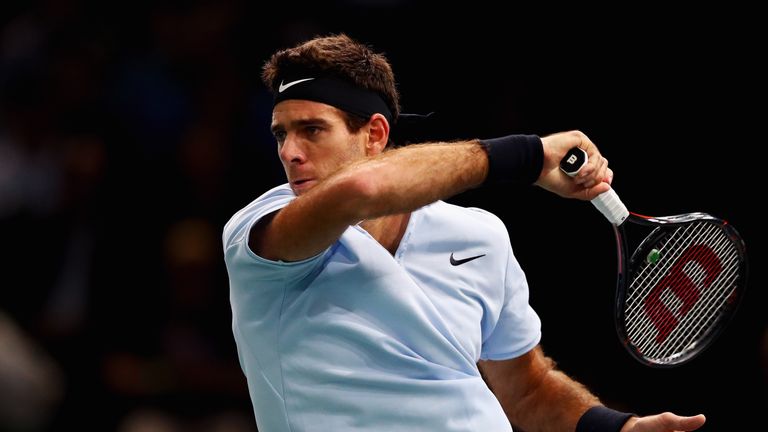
(335, 100)
(345, 74)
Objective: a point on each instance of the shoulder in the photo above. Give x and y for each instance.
(272, 200)
(467, 217)
(468, 223)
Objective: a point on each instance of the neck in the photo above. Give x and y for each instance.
(388, 230)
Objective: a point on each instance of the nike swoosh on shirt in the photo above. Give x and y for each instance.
(292, 83)
(455, 262)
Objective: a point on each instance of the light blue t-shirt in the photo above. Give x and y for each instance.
(355, 339)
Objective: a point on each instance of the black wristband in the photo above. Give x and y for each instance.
(602, 419)
(514, 159)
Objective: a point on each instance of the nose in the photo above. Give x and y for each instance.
(291, 151)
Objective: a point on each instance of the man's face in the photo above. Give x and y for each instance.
(313, 142)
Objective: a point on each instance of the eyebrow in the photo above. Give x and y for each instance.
(304, 122)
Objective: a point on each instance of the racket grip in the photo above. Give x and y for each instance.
(611, 207)
(607, 202)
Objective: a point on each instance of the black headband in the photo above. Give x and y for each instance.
(335, 92)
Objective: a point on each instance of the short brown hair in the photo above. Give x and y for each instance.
(341, 57)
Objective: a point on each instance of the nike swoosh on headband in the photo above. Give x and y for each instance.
(292, 83)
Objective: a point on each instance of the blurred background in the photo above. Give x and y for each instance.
(130, 133)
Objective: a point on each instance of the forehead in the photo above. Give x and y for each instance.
(294, 110)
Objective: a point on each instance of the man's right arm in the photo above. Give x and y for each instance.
(395, 181)
(405, 179)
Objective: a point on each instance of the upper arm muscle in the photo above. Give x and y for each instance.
(309, 224)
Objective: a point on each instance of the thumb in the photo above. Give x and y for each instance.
(679, 423)
(690, 423)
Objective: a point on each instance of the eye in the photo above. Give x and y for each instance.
(313, 130)
(279, 136)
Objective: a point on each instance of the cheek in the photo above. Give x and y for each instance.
(347, 150)
(337, 152)
(355, 147)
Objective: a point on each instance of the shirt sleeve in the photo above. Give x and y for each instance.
(242, 262)
(518, 328)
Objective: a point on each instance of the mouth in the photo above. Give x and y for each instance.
(302, 184)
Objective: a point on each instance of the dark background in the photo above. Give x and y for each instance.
(129, 136)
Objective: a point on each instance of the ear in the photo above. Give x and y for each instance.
(378, 134)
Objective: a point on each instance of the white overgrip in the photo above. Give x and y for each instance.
(611, 207)
(607, 202)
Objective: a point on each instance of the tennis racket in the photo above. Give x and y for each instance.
(679, 287)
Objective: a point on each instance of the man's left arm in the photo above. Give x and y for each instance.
(535, 395)
(538, 397)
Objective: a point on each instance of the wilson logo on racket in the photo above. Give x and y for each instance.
(678, 283)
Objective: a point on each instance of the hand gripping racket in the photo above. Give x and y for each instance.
(680, 285)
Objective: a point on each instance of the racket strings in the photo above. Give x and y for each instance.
(699, 320)
(705, 316)
(677, 301)
(702, 285)
(693, 273)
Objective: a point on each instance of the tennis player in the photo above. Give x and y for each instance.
(363, 302)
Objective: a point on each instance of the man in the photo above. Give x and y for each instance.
(361, 301)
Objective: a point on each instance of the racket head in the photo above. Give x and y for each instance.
(679, 288)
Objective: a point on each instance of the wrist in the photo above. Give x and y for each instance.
(602, 419)
(513, 159)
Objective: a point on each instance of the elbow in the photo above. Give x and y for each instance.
(359, 194)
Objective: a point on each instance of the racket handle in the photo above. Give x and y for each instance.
(607, 202)
(611, 207)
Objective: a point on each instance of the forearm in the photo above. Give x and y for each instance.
(405, 179)
(534, 412)
(535, 396)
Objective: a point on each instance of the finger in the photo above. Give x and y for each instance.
(584, 142)
(598, 175)
(587, 171)
(591, 192)
(588, 146)
(608, 176)
(601, 170)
